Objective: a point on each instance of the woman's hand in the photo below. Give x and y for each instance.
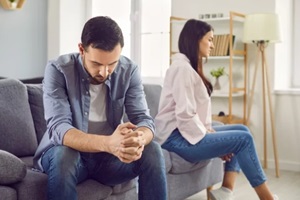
(210, 130)
(227, 157)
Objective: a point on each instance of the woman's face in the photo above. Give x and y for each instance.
(206, 44)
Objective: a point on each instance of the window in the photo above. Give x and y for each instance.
(146, 33)
(120, 13)
(287, 62)
(296, 45)
(155, 35)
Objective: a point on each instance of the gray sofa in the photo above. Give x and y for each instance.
(21, 128)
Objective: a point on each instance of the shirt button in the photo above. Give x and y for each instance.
(82, 80)
(87, 92)
(85, 113)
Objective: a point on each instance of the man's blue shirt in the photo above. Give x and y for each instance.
(67, 100)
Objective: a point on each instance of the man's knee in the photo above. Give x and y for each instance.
(62, 158)
(153, 153)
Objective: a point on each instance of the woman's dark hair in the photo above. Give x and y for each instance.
(101, 33)
(188, 43)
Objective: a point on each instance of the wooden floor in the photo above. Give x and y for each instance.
(287, 187)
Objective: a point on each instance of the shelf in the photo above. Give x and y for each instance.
(178, 20)
(225, 119)
(225, 58)
(219, 57)
(225, 94)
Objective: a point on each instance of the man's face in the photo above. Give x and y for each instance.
(98, 63)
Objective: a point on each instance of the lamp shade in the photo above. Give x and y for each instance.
(261, 27)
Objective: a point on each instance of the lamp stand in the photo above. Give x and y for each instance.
(265, 91)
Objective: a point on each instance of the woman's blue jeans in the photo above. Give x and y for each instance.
(235, 139)
(67, 167)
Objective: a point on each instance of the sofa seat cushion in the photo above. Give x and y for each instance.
(91, 189)
(120, 188)
(17, 133)
(12, 169)
(32, 187)
(181, 166)
(7, 193)
(168, 161)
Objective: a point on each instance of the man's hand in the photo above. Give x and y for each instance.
(132, 145)
(115, 141)
(127, 142)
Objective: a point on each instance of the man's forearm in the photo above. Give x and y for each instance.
(84, 142)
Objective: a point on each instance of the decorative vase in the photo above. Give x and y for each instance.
(217, 85)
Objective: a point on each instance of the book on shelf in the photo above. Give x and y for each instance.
(228, 49)
(222, 45)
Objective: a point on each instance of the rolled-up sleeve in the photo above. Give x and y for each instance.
(56, 105)
(135, 103)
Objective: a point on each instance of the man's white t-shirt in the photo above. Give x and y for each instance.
(97, 116)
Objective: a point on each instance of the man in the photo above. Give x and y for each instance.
(85, 95)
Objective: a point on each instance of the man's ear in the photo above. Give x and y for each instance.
(81, 49)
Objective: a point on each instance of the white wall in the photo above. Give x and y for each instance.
(286, 105)
(23, 52)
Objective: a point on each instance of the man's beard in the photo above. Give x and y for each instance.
(96, 80)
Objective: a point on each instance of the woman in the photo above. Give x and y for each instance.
(184, 118)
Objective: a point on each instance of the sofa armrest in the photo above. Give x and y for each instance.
(12, 168)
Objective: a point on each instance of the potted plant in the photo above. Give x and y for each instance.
(217, 73)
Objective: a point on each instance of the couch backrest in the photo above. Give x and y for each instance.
(35, 94)
(22, 125)
(153, 92)
(17, 132)
(35, 98)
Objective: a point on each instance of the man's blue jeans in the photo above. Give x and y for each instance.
(235, 139)
(67, 167)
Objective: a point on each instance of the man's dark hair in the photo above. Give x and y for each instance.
(188, 44)
(101, 33)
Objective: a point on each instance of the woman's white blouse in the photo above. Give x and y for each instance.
(184, 103)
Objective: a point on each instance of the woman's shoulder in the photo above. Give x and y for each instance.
(181, 64)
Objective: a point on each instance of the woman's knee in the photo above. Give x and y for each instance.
(248, 137)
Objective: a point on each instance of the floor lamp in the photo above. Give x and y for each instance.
(261, 29)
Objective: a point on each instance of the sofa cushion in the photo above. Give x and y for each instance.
(120, 188)
(153, 93)
(181, 166)
(12, 169)
(8, 193)
(35, 98)
(91, 189)
(17, 133)
(168, 161)
(33, 186)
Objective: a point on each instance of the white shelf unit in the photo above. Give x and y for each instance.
(236, 54)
